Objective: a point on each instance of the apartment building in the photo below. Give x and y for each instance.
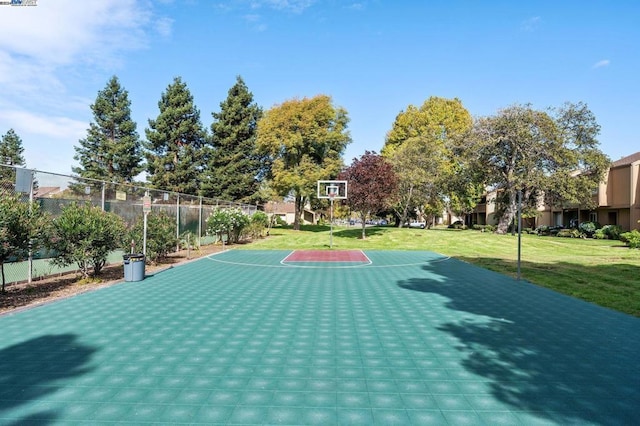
(617, 198)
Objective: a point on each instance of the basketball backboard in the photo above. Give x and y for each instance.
(332, 189)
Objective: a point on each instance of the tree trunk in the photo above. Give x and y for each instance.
(363, 218)
(403, 218)
(509, 214)
(297, 212)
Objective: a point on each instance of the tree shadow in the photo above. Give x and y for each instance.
(621, 281)
(313, 228)
(541, 351)
(356, 233)
(31, 370)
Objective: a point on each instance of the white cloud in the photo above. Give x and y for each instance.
(48, 140)
(164, 26)
(37, 44)
(295, 6)
(530, 24)
(602, 63)
(57, 127)
(47, 49)
(356, 6)
(66, 30)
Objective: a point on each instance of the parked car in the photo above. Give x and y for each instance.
(420, 225)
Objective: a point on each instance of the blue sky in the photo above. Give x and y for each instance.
(373, 57)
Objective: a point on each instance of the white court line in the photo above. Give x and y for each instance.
(359, 265)
(362, 265)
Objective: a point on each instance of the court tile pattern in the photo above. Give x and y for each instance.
(239, 338)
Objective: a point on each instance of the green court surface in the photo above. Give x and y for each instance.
(245, 338)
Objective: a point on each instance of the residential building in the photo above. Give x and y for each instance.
(617, 198)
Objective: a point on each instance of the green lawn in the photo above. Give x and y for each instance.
(599, 271)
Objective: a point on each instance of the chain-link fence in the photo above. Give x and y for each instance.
(53, 191)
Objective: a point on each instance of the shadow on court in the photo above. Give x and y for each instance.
(543, 352)
(34, 369)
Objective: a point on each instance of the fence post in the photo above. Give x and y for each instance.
(178, 221)
(103, 183)
(200, 222)
(30, 266)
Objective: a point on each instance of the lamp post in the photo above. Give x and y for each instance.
(519, 230)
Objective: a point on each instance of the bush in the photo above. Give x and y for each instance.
(588, 228)
(22, 227)
(161, 235)
(260, 218)
(85, 235)
(600, 234)
(631, 239)
(258, 222)
(569, 233)
(612, 231)
(229, 222)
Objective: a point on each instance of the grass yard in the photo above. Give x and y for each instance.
(600, 271)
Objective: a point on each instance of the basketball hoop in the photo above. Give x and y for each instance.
(332, 190)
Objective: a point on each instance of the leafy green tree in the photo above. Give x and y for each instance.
(371, 184)
(11, 153)
(581, 164)
(161, 235)
(22, 227)
(304, 139)
(421, 146)
(419, 170)
(174, 142)
(233, 168)
(437, 120)
(112, 149)
(522, 149)
(85, 235)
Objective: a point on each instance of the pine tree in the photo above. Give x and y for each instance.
(112, 150)
(174, 142)
(234, 169)
(11, 153)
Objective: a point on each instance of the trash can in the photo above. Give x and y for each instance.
(133, 266)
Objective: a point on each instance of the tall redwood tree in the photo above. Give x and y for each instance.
(371, 184)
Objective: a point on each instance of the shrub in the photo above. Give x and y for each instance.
(22, 227)
(258, 222)
(85, 235)
(612, 231)
(260, 218)
(161, 235)
(588, 228)
(631, 239)
(548, 230)
(600, 234)
(229, 222)
(569, 233)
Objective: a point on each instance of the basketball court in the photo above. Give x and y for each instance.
(320, 337)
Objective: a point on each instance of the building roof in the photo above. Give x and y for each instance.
(280, 208)
(45, 191)
(625, 161)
